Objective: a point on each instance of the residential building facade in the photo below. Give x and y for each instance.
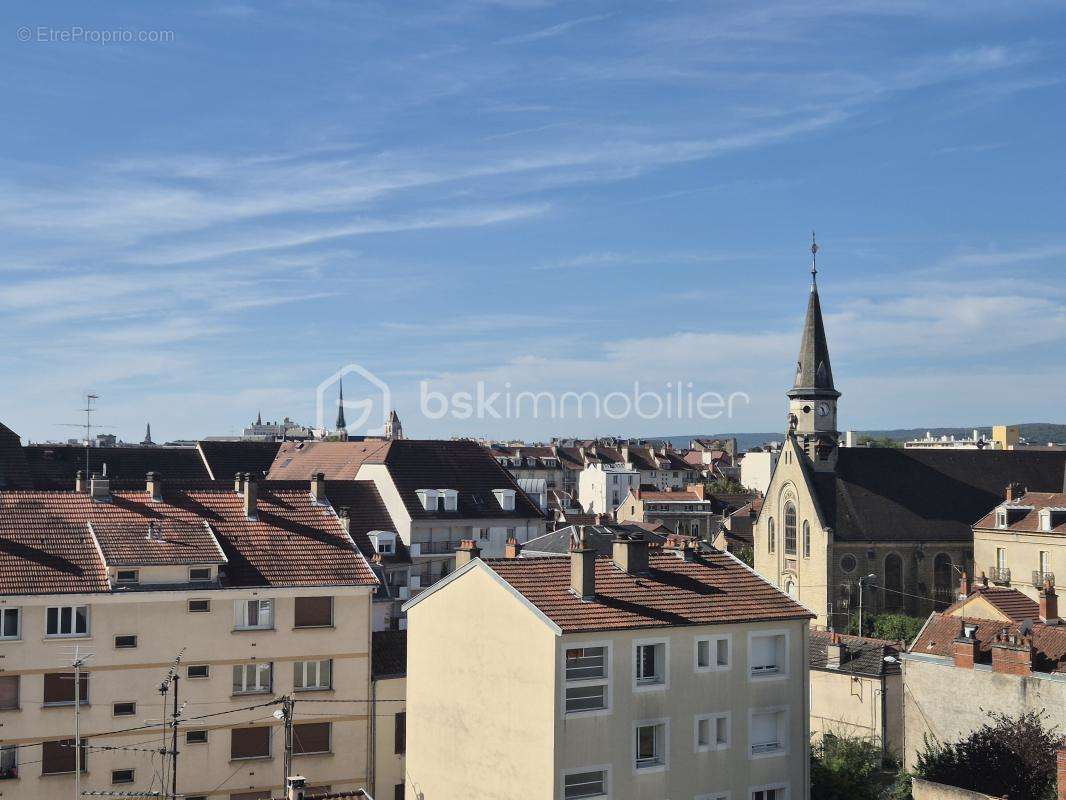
(688, 512)
(602, 487)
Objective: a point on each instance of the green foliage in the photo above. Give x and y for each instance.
(897, 627)
(848, 768)
(725, 486)
(1011, 757)
(745, 553)
(881, 441)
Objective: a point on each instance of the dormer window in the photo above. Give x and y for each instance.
(127, 576)
(428, 499)
(1045, 519)
(505, 497)
(449, 499)
(384, 542)
(1001, 518)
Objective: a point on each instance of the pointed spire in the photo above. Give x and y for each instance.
(258, 417)
(148, 434)
(813, 370)
(341, 424)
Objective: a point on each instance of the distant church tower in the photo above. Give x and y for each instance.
(393, 428)
(148, 435)
(342, 426)
(812, 403)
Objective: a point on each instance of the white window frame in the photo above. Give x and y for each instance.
(665, 764)
(770, 787)
(783, 730)
(652, 686)
(604, 768)
(73, 618)
(240, 613)
(783, 671)
(713, 718)
(198, 580)
(607, 681)
(299, 675)
(4, 612)
(713, 796)
(258, 671)
(712, 652)
(450, 498)
(133, 576)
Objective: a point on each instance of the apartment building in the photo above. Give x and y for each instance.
(602, 487)
(247, 592)
(689, 512)
(436, 494)
(681, 674)
(1022, 541)
(388, 700)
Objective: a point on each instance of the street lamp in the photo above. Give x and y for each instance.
(871, 579)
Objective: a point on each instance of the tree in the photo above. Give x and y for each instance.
(848, 768)
(896, 627)
(725, 486)
(1011, 757)
(882, 441)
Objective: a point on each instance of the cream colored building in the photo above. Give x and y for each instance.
(626, 678)
(602, 487)
(389, 701)
(249, 595)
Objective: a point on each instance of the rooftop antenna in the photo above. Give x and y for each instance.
(88, 426)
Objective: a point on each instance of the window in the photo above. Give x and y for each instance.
(311, 737)
(586, 678)
(779, 792)
(715, 796)
(585, 783)
(249, 743)
(767, 731)
(767, 654)
(10, 623)
(59, 689)
(650, 664)
(806, 539)
(67, 621)
(1001, 518)
(712, 732)
(505, 497)
(196, 737)
(126, 640)
(1045, 564)
(199, 606)
(790, 529)
(252, 678)
(1001, 557)
(9, 761)
(848, 564)
(399, 733)
(770, 543)
(313, 612)
(127, 576)
(197, 671)
(9, 692)
(313, 675)
(650, 744)
(712, 653)
(254, 614)
(199, 574)
(58, 757)
(398, 791)
(124, 709)
(122, 776)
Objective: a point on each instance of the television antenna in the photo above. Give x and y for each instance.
(88, 426)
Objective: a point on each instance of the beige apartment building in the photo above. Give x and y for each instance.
(688, 512)
(1022, 541)
(679, 675)
(247, 593)
(389, 701)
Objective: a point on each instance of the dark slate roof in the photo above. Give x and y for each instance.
(862, 655)
(14, 472)
(600, 537)
(813, 370)
(366, 510)
(54, 466)
(884, 494)
(388, 654)
(226, 459)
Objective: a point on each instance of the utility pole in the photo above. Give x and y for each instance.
(174, 739)
(862, 582)
(285, 714)
(77, 662)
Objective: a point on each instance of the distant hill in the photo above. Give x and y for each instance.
(1034, 432)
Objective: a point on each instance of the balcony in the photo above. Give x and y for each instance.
(1039, 578)
(999, 575)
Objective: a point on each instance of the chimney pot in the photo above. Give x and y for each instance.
(964, 586)
(582, 565)
(467, 552)
(238, 482)
(513, 548)
(79, 481)
(318, 487)
(251, 496)
(1049, 604)
(99, 488)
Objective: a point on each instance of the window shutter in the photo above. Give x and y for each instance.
(9, 691)
(313, 611)
(763, 729)
(400, 732)
(311, 737)
(249, 742)
(763, 651)
(58, 757)
(59, 687)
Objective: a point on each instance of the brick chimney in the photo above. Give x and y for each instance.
(630, 553)
(467, 552)
(698, 489)
(1060, 773)
(99, 487)
(251, 496)
(965, 648)
(512, 548)
(834, 652)
(1014, 491)
(79, 481)
(1049, 604)
(318, 487)
(1012, 654)
(582, 565)
(154, 486)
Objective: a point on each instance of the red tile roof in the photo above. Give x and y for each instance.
(1030, 521)
(715, 588)
(938, 636)
(338, 460)
(1013, 604)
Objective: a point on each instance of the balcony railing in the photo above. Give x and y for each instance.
(435, 548)
(999, 574)
(1039, 578)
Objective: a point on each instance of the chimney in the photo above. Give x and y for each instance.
(965, 647)
(318, 487)
(984, 581)
(964, 586)
(698, 489)
(238, 482)
(99, 488)
(582, 565)
(630, 553)
(79, 481)
(467, 552)
(1012, 654)
(1049, 604)
(1060, 773)
(345, 518)
(155, 486)
(1014, 491)
(834, 652)
(512, 549)
(295, 787)
(251, 496)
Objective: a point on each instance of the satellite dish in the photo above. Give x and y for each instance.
(279, 714)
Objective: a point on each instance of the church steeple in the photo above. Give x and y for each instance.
(341, 424)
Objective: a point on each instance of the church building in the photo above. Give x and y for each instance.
(898, 520)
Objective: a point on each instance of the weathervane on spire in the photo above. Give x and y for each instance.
(814, 259)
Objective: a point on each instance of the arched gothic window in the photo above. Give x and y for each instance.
(770, 543)
(790, 529)
(806, 539)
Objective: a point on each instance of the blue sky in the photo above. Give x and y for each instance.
(548, 196)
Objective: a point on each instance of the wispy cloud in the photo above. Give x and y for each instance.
(552, 30)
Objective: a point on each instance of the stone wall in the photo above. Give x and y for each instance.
(927, 790)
